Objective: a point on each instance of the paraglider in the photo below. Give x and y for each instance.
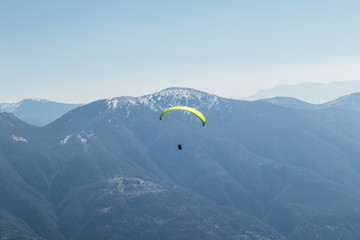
(189, 109)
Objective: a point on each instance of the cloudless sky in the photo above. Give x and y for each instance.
(80, 51)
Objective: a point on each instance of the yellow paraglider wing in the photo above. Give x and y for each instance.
(189, 109)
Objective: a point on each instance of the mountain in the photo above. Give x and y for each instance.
(25, 213)
(112, 170)
(349, 102)
(289, 102)
(37, 112)
(316, 93)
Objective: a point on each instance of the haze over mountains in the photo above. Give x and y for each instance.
(111, 170)
(350, 102)
(37, 112)
(315, 93)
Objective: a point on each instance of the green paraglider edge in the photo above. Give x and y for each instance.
(189, 109)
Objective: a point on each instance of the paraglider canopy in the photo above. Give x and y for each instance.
(189, 109)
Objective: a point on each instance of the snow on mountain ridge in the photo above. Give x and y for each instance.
(35, 100)
(9, 107)
(166, 98)
(19, 139)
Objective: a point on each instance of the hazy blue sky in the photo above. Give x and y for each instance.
(79, 51)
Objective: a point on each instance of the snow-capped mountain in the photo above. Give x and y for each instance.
(166, 98)
(9, 107)
(37, 112)
(112, 170)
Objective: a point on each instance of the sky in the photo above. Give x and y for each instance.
(81, 51)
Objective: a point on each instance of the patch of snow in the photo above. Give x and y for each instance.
(213, 101)
(166, 98)
(105, 210)
(249, 235)
(83, 140)
(36, 100)
(9, 107)
(83, 136)
(112, 103)
(18, 139)
(88, 134)
(133, 187)
(66, 139)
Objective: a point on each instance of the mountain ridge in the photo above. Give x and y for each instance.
(37, 112)
(112, 170)
(348, 102)
(315, 93)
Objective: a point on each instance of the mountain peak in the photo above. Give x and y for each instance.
(350, 102)
(36, 111)
(166, 98)
(10, 119)
(11, 107)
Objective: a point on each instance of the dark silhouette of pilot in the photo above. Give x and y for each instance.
(179, 146)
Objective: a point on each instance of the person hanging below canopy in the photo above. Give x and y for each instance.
(189, 109)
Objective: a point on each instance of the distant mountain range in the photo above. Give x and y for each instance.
(37, 112)
(349, 102)
(40, 112)
(112, 170)
(316, 93)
